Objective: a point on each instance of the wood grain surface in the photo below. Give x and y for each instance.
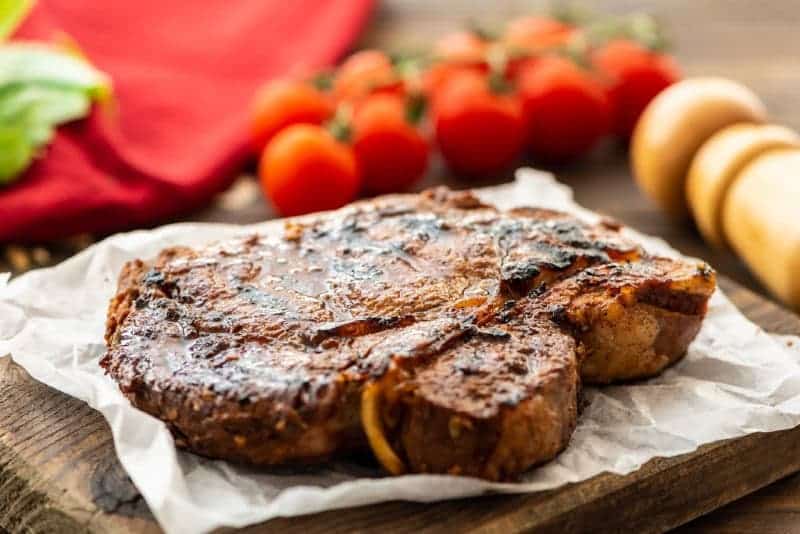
(58, 472)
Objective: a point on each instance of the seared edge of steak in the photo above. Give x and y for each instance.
(632, 320)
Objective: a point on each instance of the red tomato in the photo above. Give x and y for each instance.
(363, 73)
(391, 153)
(527, 37)
(566, 110)
(282, 103)
(535, 34)
(478, 131)
(634, 76)
(438, 75)
(461, 47)
(456, 53)
(304, 169)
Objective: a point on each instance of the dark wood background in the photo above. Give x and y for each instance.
(754, 42)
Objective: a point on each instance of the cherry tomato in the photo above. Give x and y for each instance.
(285, 102)
(478, 131)
(535, 34)
(566, 109)
(305, 169)
(461, 47)
(527, 37)
(363, 73)
(456, 52)
(634, 76)
(439, 74)
(391, 153)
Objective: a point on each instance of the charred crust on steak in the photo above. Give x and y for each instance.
(472, 327)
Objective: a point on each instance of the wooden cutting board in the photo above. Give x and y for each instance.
(59, 473)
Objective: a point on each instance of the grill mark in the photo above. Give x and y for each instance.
(359, 327)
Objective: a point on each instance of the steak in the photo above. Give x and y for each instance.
(439, 332)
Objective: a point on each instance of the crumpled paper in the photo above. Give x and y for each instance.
(735, 380)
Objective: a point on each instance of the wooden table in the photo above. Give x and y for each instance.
(755, 43)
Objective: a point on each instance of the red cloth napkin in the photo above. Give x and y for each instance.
(184, 72)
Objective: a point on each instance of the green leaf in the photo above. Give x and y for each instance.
(40, 64)
(50, 104)
(37, 109)
(16, 153)
(41, 87)
(12, 12)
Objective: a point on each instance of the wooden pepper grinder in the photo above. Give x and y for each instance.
(702, 148)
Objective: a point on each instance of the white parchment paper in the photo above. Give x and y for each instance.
(736, 379)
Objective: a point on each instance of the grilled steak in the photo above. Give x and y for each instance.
(442, 333)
